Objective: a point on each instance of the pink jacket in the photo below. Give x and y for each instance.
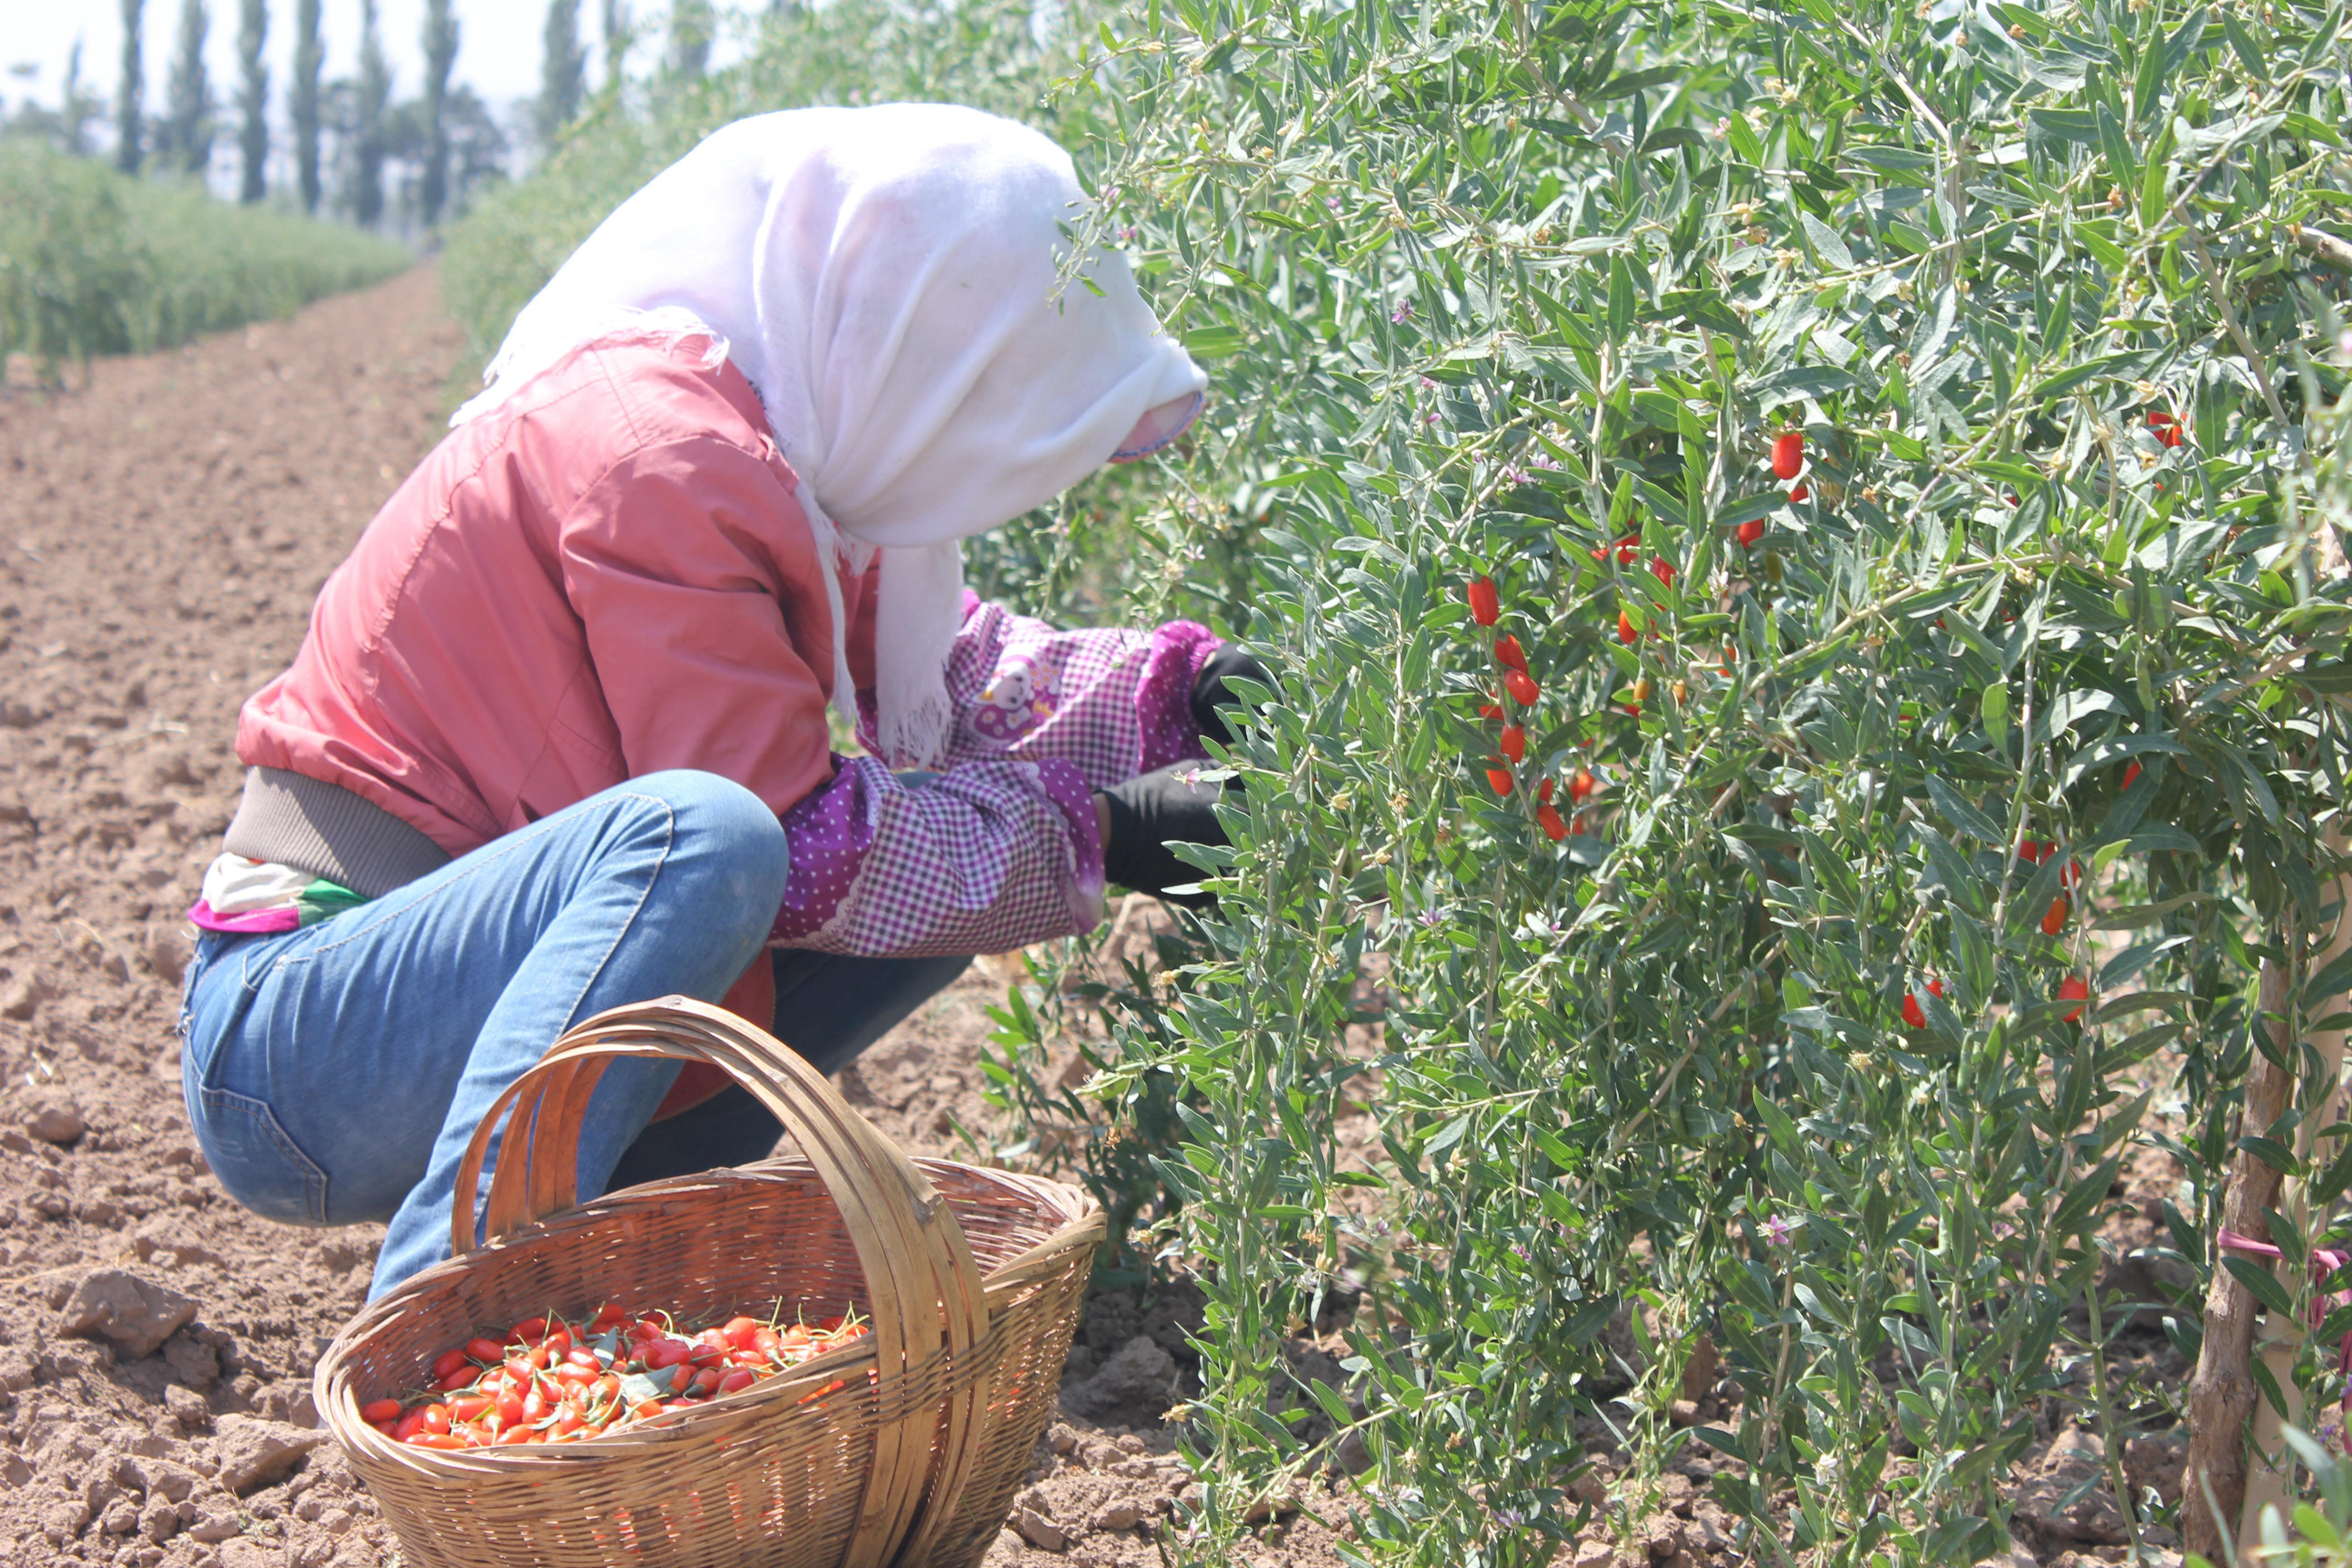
(606, 576)
(609, 575)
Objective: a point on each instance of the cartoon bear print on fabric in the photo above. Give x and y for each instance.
(1023, 694)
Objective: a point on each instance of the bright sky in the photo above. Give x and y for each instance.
(498, 44)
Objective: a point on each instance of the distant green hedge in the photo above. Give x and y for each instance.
(95, 262)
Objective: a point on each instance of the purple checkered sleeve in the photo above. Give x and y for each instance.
(1116, 703)
(986, 858)
(1001, 849)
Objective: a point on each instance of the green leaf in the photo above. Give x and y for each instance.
(2116, 749)
(1826, 243)
(1215, 343)
(2122, 168)
(1621, 299)
(1329, 1398)
(2271, 1153)
(1797, 382)
(1961, 814)
(1448, 1136)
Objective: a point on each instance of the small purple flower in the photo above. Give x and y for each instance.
(1427, 384)
(1778, 1230)
(1127, 234)
(1430, 417)
(1431, 919)
(1331, 202)
(1545, 460)
(1517, 477)
(1400, 312)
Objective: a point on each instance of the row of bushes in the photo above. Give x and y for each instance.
(95, 262)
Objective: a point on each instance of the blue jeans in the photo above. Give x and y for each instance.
(335, 1074)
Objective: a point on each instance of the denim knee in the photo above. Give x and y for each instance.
(725, 833)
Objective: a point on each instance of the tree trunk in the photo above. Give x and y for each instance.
(2221, 1393)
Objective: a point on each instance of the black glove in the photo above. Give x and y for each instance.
(1210, 693)
(1146, 812)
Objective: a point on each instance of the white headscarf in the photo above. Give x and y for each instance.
(885, 277)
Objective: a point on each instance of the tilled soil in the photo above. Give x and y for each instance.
(163, 532)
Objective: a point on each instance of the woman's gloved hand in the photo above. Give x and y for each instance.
(1147, 812)
(1210, 693)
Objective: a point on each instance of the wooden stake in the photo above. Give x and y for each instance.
(2267, 1483)
(2222, 1391)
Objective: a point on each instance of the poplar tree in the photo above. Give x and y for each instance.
(691, 28)
(131, 92)
(620, 32)
(188, 98)
(562, 71)
(440, 55)
(366, 193)
(303, 100)
(76, 107)
(253, 98)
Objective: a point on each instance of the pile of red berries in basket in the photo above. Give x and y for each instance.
(547, 1381)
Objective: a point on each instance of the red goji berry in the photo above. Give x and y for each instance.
(1800, 493)
(1750, 531)
(1514, 742)
(1912, 1014)
(1486, 606)
(1581, 786)
(1508, 652)
(2055, 920)
(1522, 688)
(2131, 775)
(1499, 780)
(2165, 426)
(2076, 990)
(1548, 818)
(1661, 572)
(1788, 453)
(1625, 632)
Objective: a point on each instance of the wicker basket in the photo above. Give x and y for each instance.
(902, 1449)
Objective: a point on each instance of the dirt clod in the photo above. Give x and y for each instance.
(1139, 1376)
(252, 1452)
(137, 1314)
(1039, 1531)
(54, 1121)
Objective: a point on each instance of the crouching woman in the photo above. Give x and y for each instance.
(557, 739)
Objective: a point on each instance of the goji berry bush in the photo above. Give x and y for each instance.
(1799, 542)
(1801, 547)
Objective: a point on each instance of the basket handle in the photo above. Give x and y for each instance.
(922, 1279)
